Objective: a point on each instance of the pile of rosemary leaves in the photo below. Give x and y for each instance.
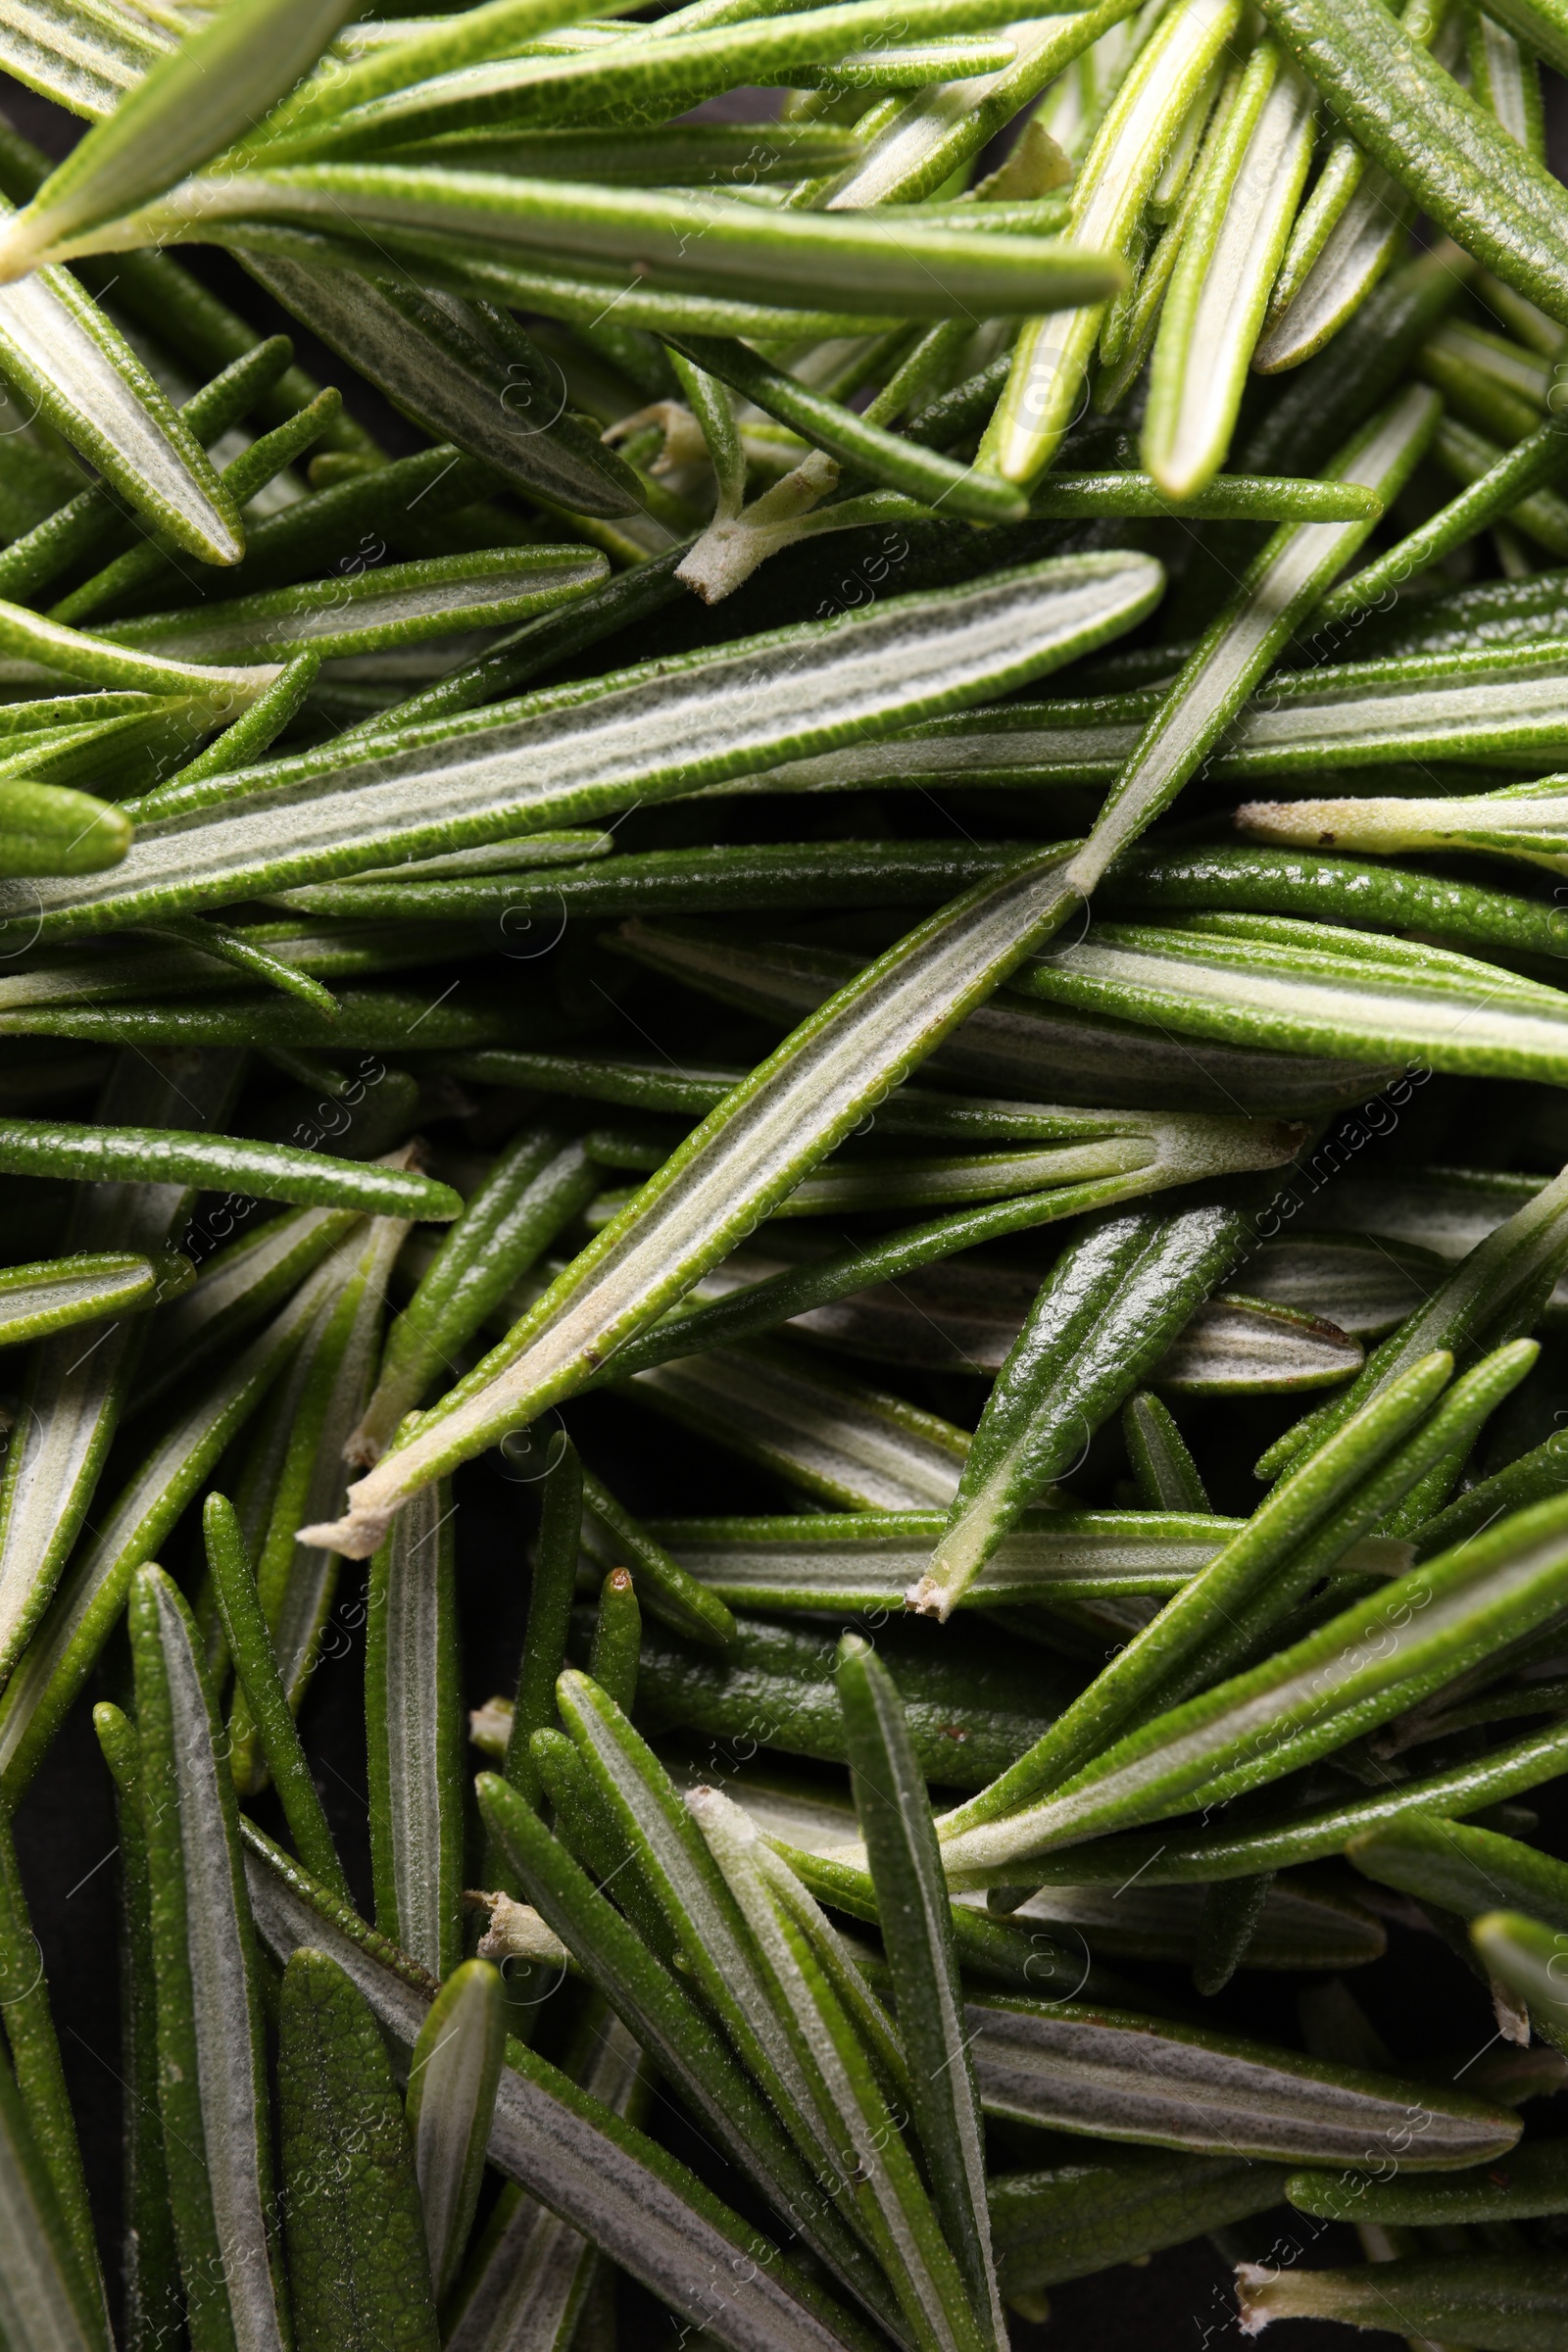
(781, 1168)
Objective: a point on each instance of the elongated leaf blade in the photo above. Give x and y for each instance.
(644, 2209)
(184, 108)
(212, 2081)
(414, 1723)
(357, 2266)
(917, 1938)
(43, 2305)
(1119, 2077)
(91, 1596)
(1517, 2302)
(83, 375)
(1434, 140)
(650, 732)
(79, 1381)
(1101, 1323)
(1429, 1625)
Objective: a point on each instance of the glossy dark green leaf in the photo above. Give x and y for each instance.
(912, 1909)
(413, 1733)
(453, 2076)
(1104, 1318)
(211, 2055)
(356, 2259)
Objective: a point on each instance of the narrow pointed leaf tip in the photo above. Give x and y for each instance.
(770, 1131)
(192, 103)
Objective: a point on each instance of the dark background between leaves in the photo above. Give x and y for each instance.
(1419, 1995)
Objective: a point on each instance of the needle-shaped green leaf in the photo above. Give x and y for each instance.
(451, 2101)
(250, 1649)
(212, 2057)
(31, 637)
(79, 373)
(345, 79)
(1320, 882)
(1289, 1926)
(187, 107)
(357, 2266)
(926, 141)
(618, 1640)
(1463, 1869)
(1292, 1837)
(746, 1155)
(968, 1714)
(153, 2296)
(919, 1110)
(253, 732)
(83, 58)
(698, 1906)
(464, 371)
(413, 1727)
(1344, 235)
(1436, 140)
(665, 154)
(1167, 1477)
(40, 2078)
(537, 1186)
(550, 1598)
(395, 605)
(1507, 79)
(708, 243)
(657, 730)
(44, 2304)
(86, 524)
(1516, 2302)
(864, 1560)
(667, 57)
(60, 1292)
(1308, 1521)
(858, 1448)
(613, 1538)
(79, 1381)
(1229, 498)
(1359, 241)
(1071, 2219)
(537, 2277)
(269, 1171)
(154, 561)
(1491, 1296)
(644, 2209)
(671, 2026)
(1273, 980)
(300, 1453)
(871, 2154)
(917, 1937)
(91, 1596)
(1118, 2076)
(1279, 588)
(1367, 1663)
(1531, 2181)
(1541, 516)
(48, 829)
(1526, 1956)
(1052, 356)
(1527, 821)
(1230, 248)
(234, 1289)
(1102, 1320)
